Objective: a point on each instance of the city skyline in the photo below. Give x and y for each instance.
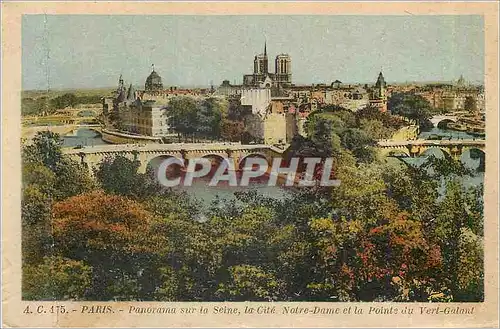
(352, 49)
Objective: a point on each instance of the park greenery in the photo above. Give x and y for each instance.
(390, 232)
(210, 118)
(44, 104)
(413, 107)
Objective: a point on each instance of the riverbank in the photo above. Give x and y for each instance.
(115, 137)
(471, 126)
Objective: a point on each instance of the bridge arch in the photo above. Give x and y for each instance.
(429, 150)
(217, 160)
(241, 162)
(435, 120)
(152, 162)
(443, 123)
(395, 152)
(474, 158)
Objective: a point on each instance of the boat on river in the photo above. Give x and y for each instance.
(457, 126)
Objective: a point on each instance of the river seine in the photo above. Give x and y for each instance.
(206, 195)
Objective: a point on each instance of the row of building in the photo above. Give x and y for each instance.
(277, 108)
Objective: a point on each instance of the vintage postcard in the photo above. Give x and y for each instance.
(250, 164)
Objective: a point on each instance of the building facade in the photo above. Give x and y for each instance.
(131, 111)
(277, 125)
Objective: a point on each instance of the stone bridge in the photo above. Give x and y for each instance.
(438, 118)
(153, 154)
(414, 148)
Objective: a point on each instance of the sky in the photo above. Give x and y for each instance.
(91, 51)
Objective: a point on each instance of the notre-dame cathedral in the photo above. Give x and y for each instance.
(261, 77)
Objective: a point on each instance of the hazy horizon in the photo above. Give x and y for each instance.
(91, 51)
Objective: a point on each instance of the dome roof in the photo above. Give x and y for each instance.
(153, 82)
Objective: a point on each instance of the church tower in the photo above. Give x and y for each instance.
(378, 97)
(260, 63)
(380, 85)
(283, 69)
(120, 91)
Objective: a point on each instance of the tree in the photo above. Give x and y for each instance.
(66, 100)
(37, 106)
(210, 115)
(411, 106)
(72, 178)
(317, 122)
(45, 148)
(247, 282)
(119, 175)
(375, 129)
(369, 113)
(232, 130)
(35, 205)
(116, 237)
(359, 260)
(359, 143)
(36, 210)
(46, 166)
(354, 138)
(183, 115)
(459, 234)
(35, 174)
(470, 104)
(56, 278)
(321, 131)
(236, 111)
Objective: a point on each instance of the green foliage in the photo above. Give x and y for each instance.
(119, 176)
(232, 130)
(370, 114)
(247, 282)
(375, 129)
(458, 230)
(57, 176)
(190, 117)
(48, 104)
(56, 278)
(387, 233)
(332, 134)
(210, 115)
(35, 205)
(411, 106)
(35, 106)
(66, 100)
(183, 114)
(45, 148)
(444, 167)
(88, 99)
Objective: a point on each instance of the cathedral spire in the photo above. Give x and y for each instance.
(121, 84)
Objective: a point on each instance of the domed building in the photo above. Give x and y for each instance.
(153, 82)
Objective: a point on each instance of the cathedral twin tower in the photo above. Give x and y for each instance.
(261, 76)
